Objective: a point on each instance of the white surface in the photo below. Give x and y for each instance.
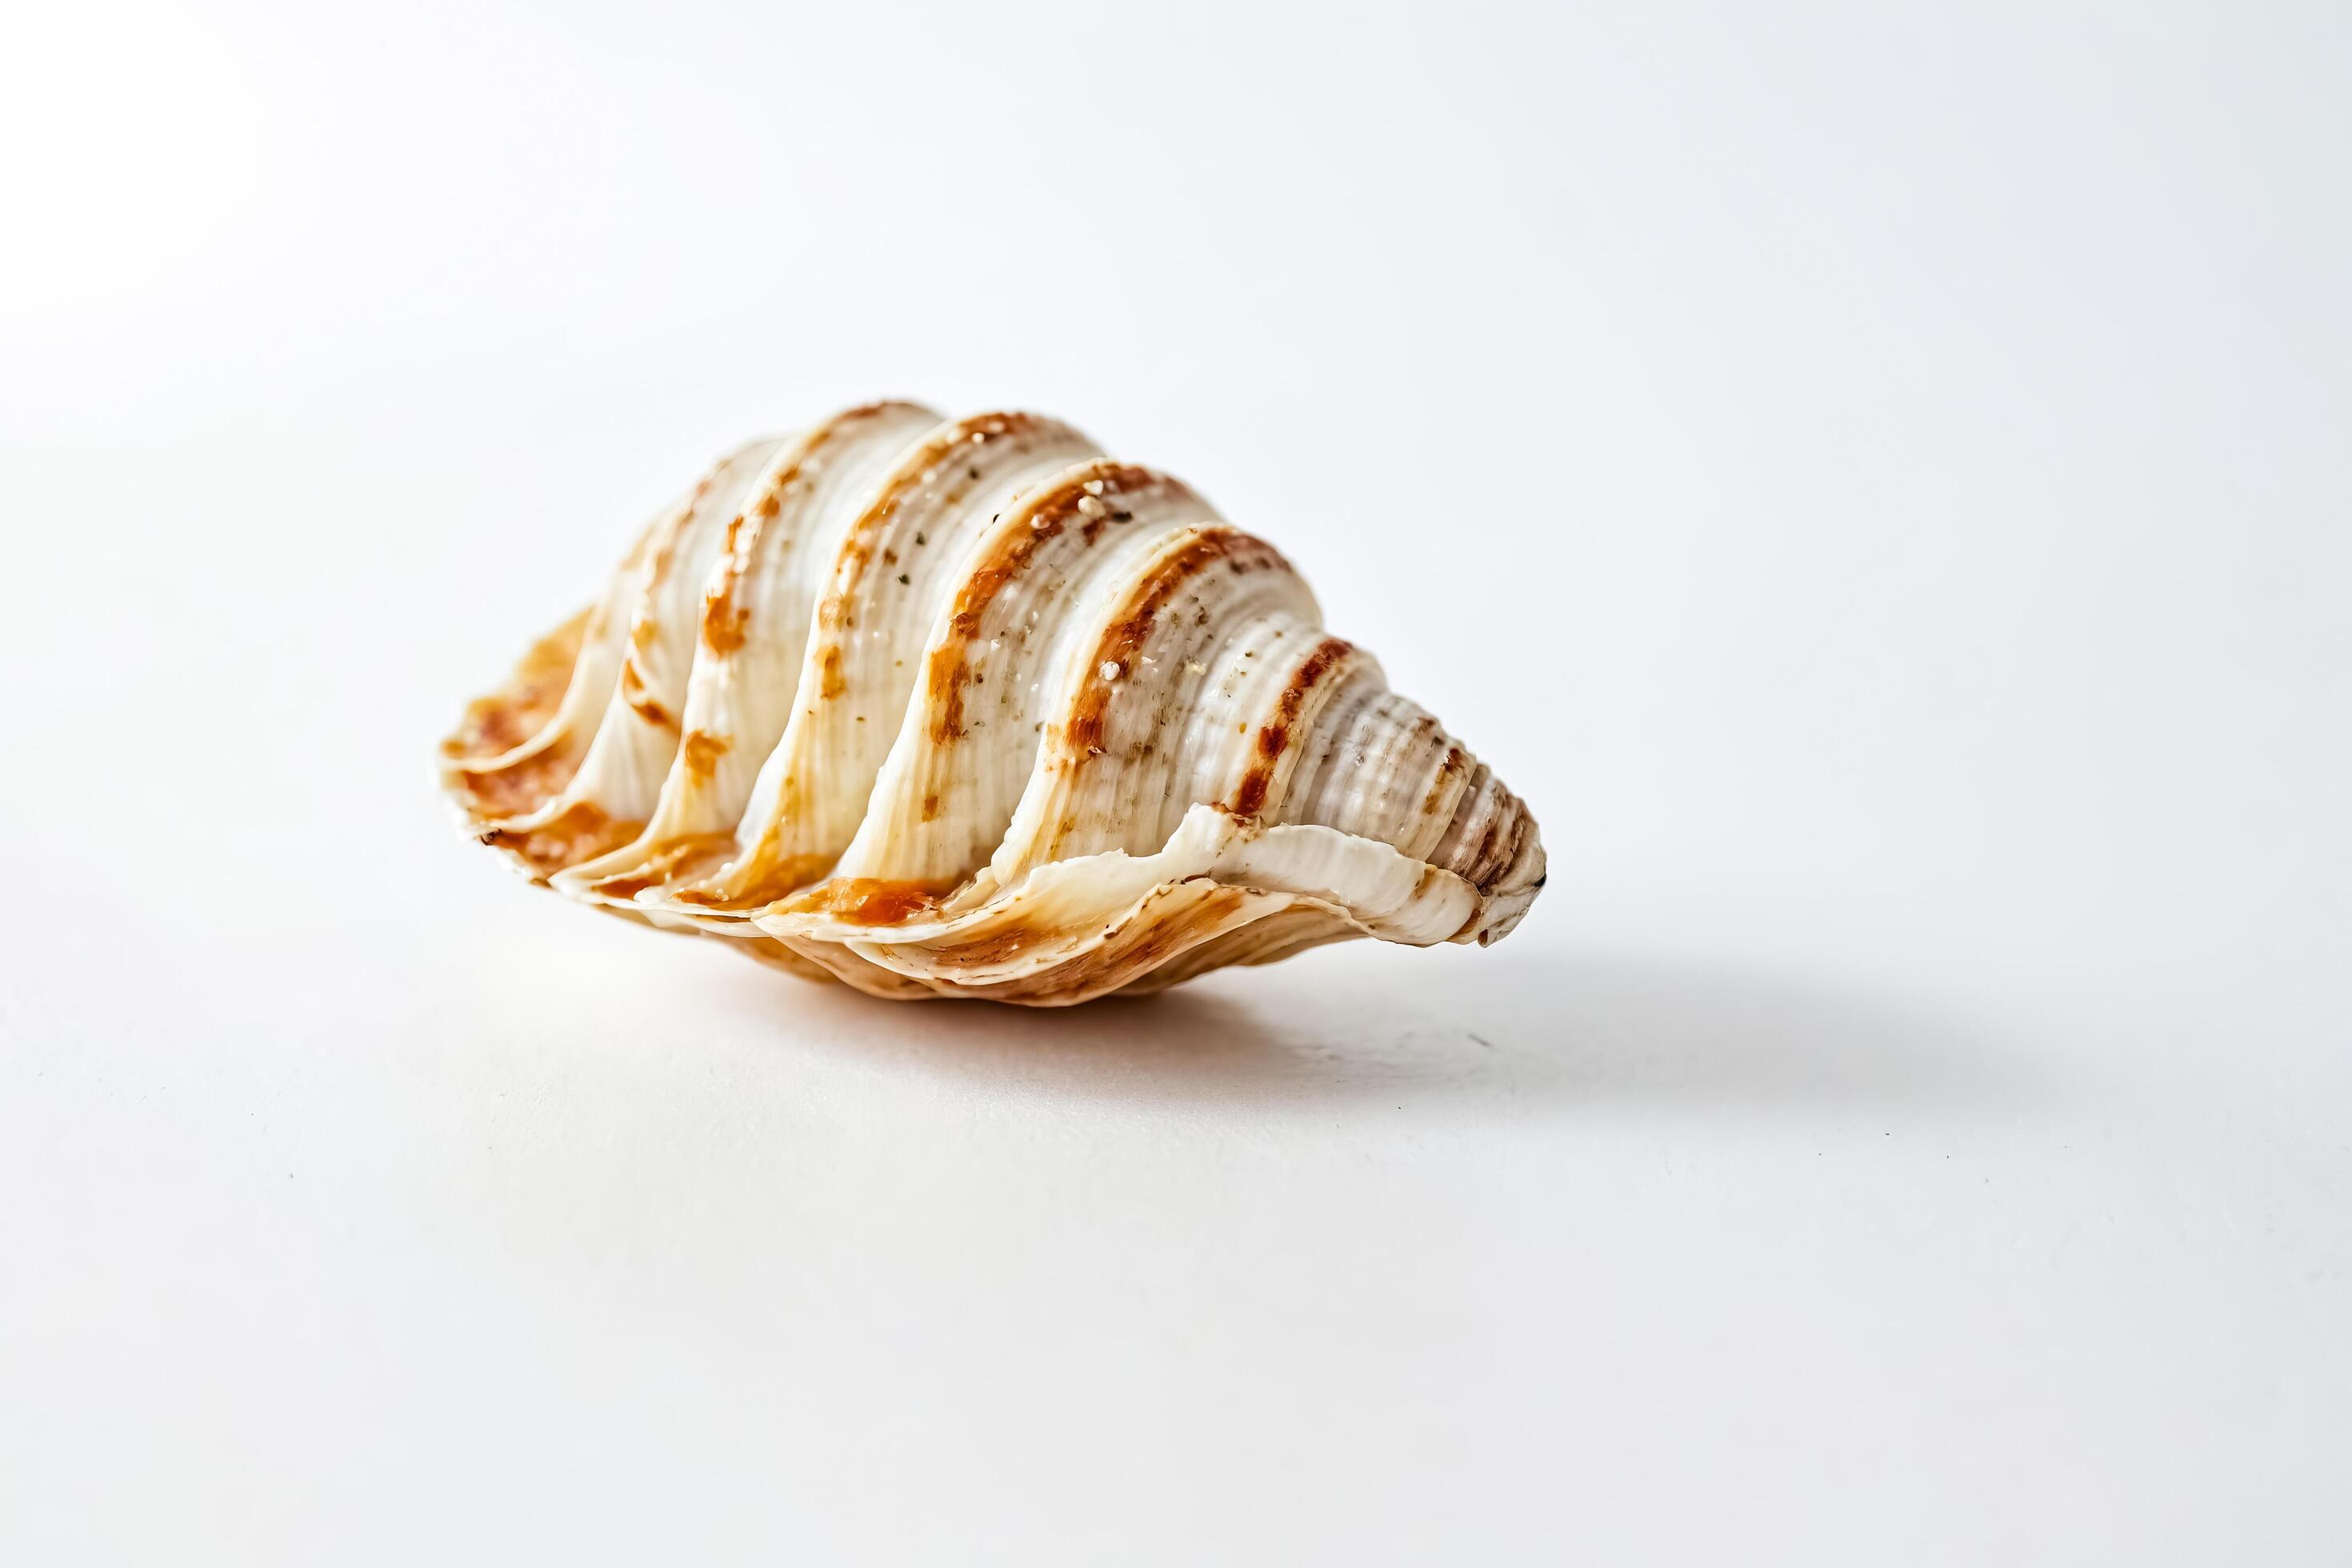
(1894, 473)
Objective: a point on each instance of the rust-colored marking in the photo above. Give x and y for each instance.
(1126, 637)
(871, 901)
(579, 833)
(723, 620)
(1045, 518)
(520, 787)
(507, 717)
(859, 545)
(931, 806)
(639, 697)
(646, 705)
(829, 665)
(1482, 864)
(1451, 765)
(1274, 735)
(702, 751)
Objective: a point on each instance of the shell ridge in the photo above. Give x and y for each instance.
(866, 643)
(740, 690)
(949, 786)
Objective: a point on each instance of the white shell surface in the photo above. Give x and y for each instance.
(966, 708)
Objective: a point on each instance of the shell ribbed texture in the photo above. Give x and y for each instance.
(967, 707)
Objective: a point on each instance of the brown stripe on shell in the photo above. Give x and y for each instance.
(1273, 736)
(1455, 763)
(945, 448)
(1047, 516)
(724, 618)
(1126, 637)
(1490, 831)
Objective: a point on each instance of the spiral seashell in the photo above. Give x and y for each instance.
(968, 708)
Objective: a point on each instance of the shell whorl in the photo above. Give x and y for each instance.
(967, 707)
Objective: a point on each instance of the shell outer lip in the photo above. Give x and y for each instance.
(1389, 894)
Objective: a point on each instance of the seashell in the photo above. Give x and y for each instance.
(969, 708)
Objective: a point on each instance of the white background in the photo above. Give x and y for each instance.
(1876, 479)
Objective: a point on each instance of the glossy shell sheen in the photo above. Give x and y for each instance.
(967, 709)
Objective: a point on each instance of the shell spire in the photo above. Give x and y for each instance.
(968, 708)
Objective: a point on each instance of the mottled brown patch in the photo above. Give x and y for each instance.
(871, 901)
(519, 787)
(931, 806)
(1249, 795)
(702, 751)
(498, 723)
(723, 620)
(828, 664)
(579, 833)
